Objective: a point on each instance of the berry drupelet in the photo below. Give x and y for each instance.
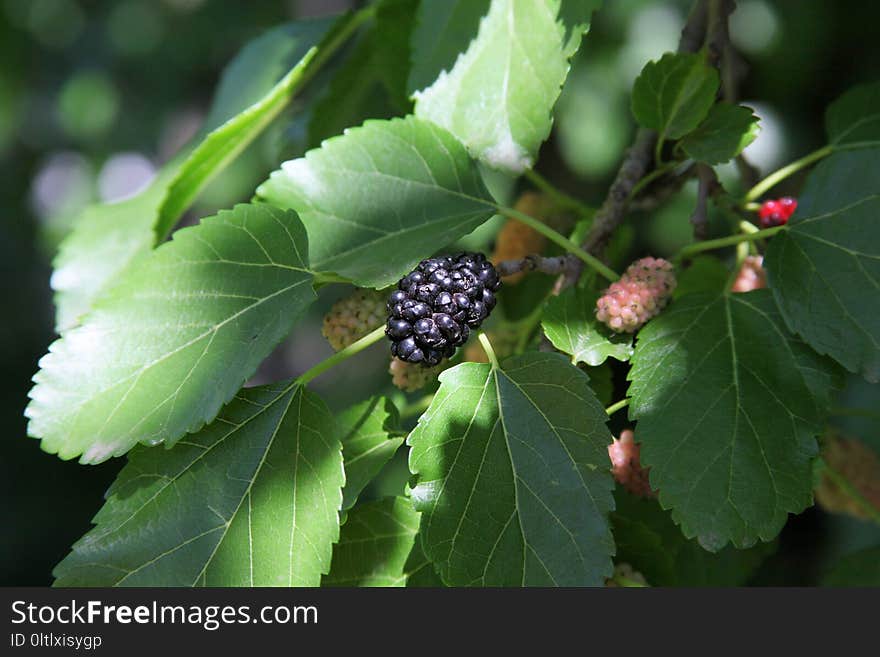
(776, 213)
(436, 305)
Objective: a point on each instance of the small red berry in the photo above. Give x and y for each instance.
(776, 213)
(787, 205)
(768, 208)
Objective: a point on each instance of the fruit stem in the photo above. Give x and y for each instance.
(721, 242)
(844, 484)
(616, 406)
(487, 347)
(557, 194)
(561, 240)
(781, 174)
(354, 348)
(742, 252)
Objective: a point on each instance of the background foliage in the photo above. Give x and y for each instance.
(96, 95)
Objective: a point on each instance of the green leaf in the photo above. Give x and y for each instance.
(726, 416)
(570, 323)
(371, 83)
(647, 539)
(443, 31)
(108, 238)
(513, 477)
(860, 568)
(380, 198)
(175, 339)
(704, 274)
(674, 94)
(225, 142)
(853, 120)
(499, 95)
(824, 268)
(370, 437)
(378, 546)
(250, 500)
(723, 135)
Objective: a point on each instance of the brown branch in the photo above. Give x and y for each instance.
(637, 161)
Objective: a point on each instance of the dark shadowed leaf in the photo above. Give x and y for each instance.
(727, 417)
(824, 268)
(722, 135)
(370, 437)
(378, 546)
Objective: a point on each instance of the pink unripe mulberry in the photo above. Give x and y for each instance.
(751, 275)
(626, 467)
(640, 294)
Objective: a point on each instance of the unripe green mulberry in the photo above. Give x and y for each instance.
(410, 377)
(352, 317)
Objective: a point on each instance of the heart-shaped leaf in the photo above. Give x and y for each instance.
(513, 476)
(727, 417)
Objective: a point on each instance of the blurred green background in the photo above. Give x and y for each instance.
(96, 94)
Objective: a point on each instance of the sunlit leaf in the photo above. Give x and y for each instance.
(252, 499)
(175, 338)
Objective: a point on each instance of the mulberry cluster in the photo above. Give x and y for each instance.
(776, 213)
(640, 294)
(859, 465)
(626, 467)
(751, 275)
(435, 306)
(352, 317)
